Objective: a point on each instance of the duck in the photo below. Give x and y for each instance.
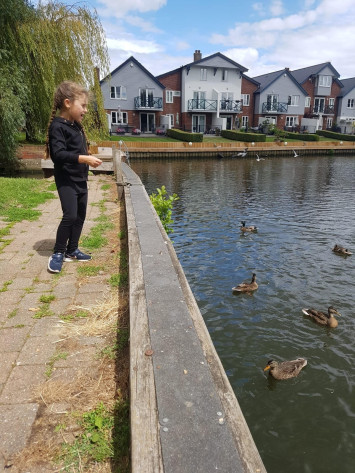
(285, 369)
(322, 318)
(341, 250)
(247, 286)
(251, 228)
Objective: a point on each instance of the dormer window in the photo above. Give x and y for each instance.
(324, 81)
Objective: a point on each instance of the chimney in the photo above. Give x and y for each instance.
(197, 55)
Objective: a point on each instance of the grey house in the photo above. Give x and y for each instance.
(133, 97)
(279, 100)
(346, 106)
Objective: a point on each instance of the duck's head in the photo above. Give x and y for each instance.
(243, 224)
(332, 311)
(271, 364)
(254, 277)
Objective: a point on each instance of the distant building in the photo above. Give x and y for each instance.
(346, 107)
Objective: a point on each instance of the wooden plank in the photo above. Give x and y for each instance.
(145, 438)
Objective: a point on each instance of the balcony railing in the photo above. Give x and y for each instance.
(275, 107)
(235, 106)
(202, 104)
(154, 103)
(325, 109)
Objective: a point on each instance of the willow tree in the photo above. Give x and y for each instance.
(49, 44)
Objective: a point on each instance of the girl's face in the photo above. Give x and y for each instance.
(76, 109)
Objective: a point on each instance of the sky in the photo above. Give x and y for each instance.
(263, 36)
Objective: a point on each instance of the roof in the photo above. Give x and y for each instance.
(301, 75)
(207, 58)
(349, 85)
(265, 80)
(134, 60)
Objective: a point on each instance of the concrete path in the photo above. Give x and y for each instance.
(27, 344)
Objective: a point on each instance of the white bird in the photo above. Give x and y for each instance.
(259, 159)
(243, 153)
(295, 154)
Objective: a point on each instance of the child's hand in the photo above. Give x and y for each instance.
(90, 160)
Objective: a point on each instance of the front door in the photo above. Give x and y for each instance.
(198, 123)
(147, 122)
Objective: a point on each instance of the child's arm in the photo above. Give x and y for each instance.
(90, 160)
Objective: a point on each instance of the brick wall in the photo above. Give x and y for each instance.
(248, 87)
(31, 152)
(172, 82)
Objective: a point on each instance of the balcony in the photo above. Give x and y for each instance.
(275, 107)
(235, 106)
(202, 105)
(323, 109)
(148, 103)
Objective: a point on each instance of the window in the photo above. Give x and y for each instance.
(293, 100)
(118, 92)
(324, 81)
(227, 101)
(119, 118)
(307, 102)
(245, 121)
(203, 73)
(224, 74)
(169, 96)
(329, 123)
(331, 102)
(291, 121)
(350, 103)
(245, 99)
(171, 119)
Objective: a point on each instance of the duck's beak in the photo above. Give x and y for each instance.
(338, 313)
(267, 368)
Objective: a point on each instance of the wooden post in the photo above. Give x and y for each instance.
(117, 169)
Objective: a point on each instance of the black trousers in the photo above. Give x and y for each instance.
(74, 198)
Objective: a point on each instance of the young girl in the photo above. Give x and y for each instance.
(67, 146)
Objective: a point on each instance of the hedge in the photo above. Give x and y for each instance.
(185, 135)
(335, 136)
(241, 136)
(300, 136)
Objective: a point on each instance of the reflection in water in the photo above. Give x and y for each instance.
(302, 207)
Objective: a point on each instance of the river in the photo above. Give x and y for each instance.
(302, 207)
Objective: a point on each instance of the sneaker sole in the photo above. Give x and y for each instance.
(69, 260)
(53, 270)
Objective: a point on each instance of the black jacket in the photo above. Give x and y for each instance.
(66, 142)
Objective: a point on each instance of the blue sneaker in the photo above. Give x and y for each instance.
(77, 255)
(55, 262)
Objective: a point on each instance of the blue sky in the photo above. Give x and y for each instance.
(263, 36)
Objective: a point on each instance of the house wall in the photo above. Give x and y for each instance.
(172, 82)
(249, 87)
(283, 87)
(191, 82)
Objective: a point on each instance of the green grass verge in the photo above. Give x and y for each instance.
(20, 196)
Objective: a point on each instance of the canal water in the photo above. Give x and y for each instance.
(302, 206)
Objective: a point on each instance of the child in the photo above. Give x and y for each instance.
(67, 146)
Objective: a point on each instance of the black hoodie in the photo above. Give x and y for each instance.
(66, 142)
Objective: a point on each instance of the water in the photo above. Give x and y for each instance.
(302, 207)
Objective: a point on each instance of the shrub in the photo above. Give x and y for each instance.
(240, 136)
(335, 136)
(163, 206)
(185, 135)
(301, 136)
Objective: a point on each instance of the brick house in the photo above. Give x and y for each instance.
(322, 84)
(249, 87)
(210, 93)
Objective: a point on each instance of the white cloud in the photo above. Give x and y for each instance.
(247, 57)
(142, 24)
(276, 7)
(121, 7)
(182, 45)
(133, 46)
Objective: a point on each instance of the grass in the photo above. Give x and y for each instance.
(119, 279)
(20, 196)
(53, 359)
(104, 436)
(5, 286)
(80, 314)
(89, 270)
(44, 310)
(96, 239)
